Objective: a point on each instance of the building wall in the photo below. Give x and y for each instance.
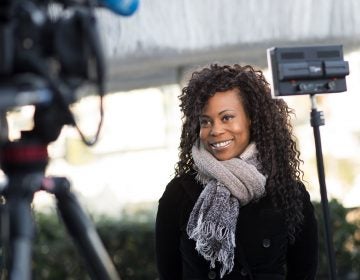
(162, 38)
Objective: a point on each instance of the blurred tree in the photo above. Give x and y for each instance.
(346, 240)
(55, 256)
(130, 243)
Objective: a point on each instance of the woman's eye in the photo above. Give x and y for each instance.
(204, 123)
(227, 117)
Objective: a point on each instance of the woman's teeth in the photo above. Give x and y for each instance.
(220, 144)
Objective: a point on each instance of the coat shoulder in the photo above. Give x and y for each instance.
(180, 186)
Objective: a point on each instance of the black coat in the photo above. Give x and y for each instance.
(262, 250)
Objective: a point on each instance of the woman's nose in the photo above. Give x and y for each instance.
(216, 129)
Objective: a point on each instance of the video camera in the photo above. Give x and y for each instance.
(48, 49)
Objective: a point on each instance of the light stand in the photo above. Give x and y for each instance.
(317, 119)
(311, 70)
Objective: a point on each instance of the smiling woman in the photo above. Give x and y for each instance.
(224, 125)
(237, 208)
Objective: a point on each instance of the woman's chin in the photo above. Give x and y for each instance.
(221, 156)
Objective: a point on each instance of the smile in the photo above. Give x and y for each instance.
(221, 145)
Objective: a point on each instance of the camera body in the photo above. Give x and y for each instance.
(44, 48)
(307, 70)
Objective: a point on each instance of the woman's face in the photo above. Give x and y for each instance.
(224, 125)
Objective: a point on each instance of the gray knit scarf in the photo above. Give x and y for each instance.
(228, 185)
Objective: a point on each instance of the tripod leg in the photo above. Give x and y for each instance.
(21, 238)
(82, 230)
(19, 195)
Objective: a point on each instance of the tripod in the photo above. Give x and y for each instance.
(24, 162)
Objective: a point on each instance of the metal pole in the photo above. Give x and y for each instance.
(317, 119)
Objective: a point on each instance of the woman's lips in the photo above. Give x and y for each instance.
(220, 145)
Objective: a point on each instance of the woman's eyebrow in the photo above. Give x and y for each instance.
(226, 110)
(220, 113)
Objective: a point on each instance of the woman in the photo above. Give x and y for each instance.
(236, 208)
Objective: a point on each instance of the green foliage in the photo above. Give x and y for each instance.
(130, 243)
(346, 240)
(55, 256)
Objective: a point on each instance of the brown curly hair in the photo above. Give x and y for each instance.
(270, 129)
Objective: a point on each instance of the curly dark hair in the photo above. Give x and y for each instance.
(270, 129)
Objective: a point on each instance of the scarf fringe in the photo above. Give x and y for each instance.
(207, 233)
